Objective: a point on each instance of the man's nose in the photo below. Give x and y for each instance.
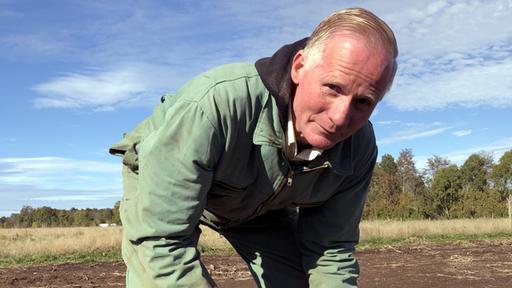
(340, 112)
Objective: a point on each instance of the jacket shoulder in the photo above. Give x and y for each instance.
(364, 144)
(226, 78)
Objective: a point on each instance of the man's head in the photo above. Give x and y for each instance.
(345, 69)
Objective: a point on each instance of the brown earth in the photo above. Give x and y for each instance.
(468, 265)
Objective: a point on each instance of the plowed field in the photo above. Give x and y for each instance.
(473, 264)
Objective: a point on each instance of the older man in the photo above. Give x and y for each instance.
(277, 156)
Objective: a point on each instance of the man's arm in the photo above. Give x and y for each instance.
(329, 233)
(175, 173)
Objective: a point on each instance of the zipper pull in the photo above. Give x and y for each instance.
(289, 181)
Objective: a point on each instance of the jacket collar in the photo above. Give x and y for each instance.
(275, 73)
(269, 132)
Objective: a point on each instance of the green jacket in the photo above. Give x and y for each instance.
(213, 152)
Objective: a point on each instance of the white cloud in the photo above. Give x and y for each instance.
(80, 197)
(428, 28)
(497, 149)
(411, 134)
(59, 173)
(473, 86)
(453, 54)
(58, 182)
(15, 196)
(54, 164)
(106, 90)
(461, 133)
(392, 122)
(439, 64)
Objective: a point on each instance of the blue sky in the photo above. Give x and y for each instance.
(76, 74)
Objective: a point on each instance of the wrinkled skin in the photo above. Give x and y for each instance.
(336, 96)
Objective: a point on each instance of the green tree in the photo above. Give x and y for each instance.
(501, 175)
(409, 179)
(63, 218)
(445, 192)
(383, 191)
(477, 204)
(80, 218)
(475, 172)
(45, 217)
(26, 217)
(435, 163)
(116, 218)
(106, 215)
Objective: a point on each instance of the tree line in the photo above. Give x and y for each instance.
(478, 188)
(30, 217)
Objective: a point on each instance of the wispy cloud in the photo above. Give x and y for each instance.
(130, 85)
(53, 164)
(58, 182)
(433, 28)
(461, 133)
(80, 197)
(15, 196)
(58, 173)
(169, 43)
(481, 85)
(407, 134)
(497, 149)
(386, 122)
(441, 66)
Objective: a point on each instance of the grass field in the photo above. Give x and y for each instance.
(90, 244)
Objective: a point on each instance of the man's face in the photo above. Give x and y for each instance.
(336, 96)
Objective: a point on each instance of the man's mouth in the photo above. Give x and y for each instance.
(327, 131)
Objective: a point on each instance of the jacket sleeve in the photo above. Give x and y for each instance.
(160, 216)
(328, 233)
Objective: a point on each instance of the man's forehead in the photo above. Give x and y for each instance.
(351, 54)
(350, 49)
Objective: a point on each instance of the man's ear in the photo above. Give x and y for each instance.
(297, 67)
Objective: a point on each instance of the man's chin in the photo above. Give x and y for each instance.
(321, 143)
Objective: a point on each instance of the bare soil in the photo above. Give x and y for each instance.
(467, 265)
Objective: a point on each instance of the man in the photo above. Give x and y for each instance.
(277, 156)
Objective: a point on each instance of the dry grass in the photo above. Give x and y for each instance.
(59, 241)
(213, 241)
(392, 229)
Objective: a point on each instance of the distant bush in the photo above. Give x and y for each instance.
(478, 188)
(30, 217)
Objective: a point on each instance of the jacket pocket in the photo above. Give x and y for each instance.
(224, 200)
(127, 149)
(131, 158)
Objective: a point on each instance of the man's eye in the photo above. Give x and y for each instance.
(334, 88)
(364, 102)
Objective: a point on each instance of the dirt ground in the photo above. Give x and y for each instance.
(467, 265)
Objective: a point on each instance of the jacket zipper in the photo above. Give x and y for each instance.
(287, 181)
(289, 177)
